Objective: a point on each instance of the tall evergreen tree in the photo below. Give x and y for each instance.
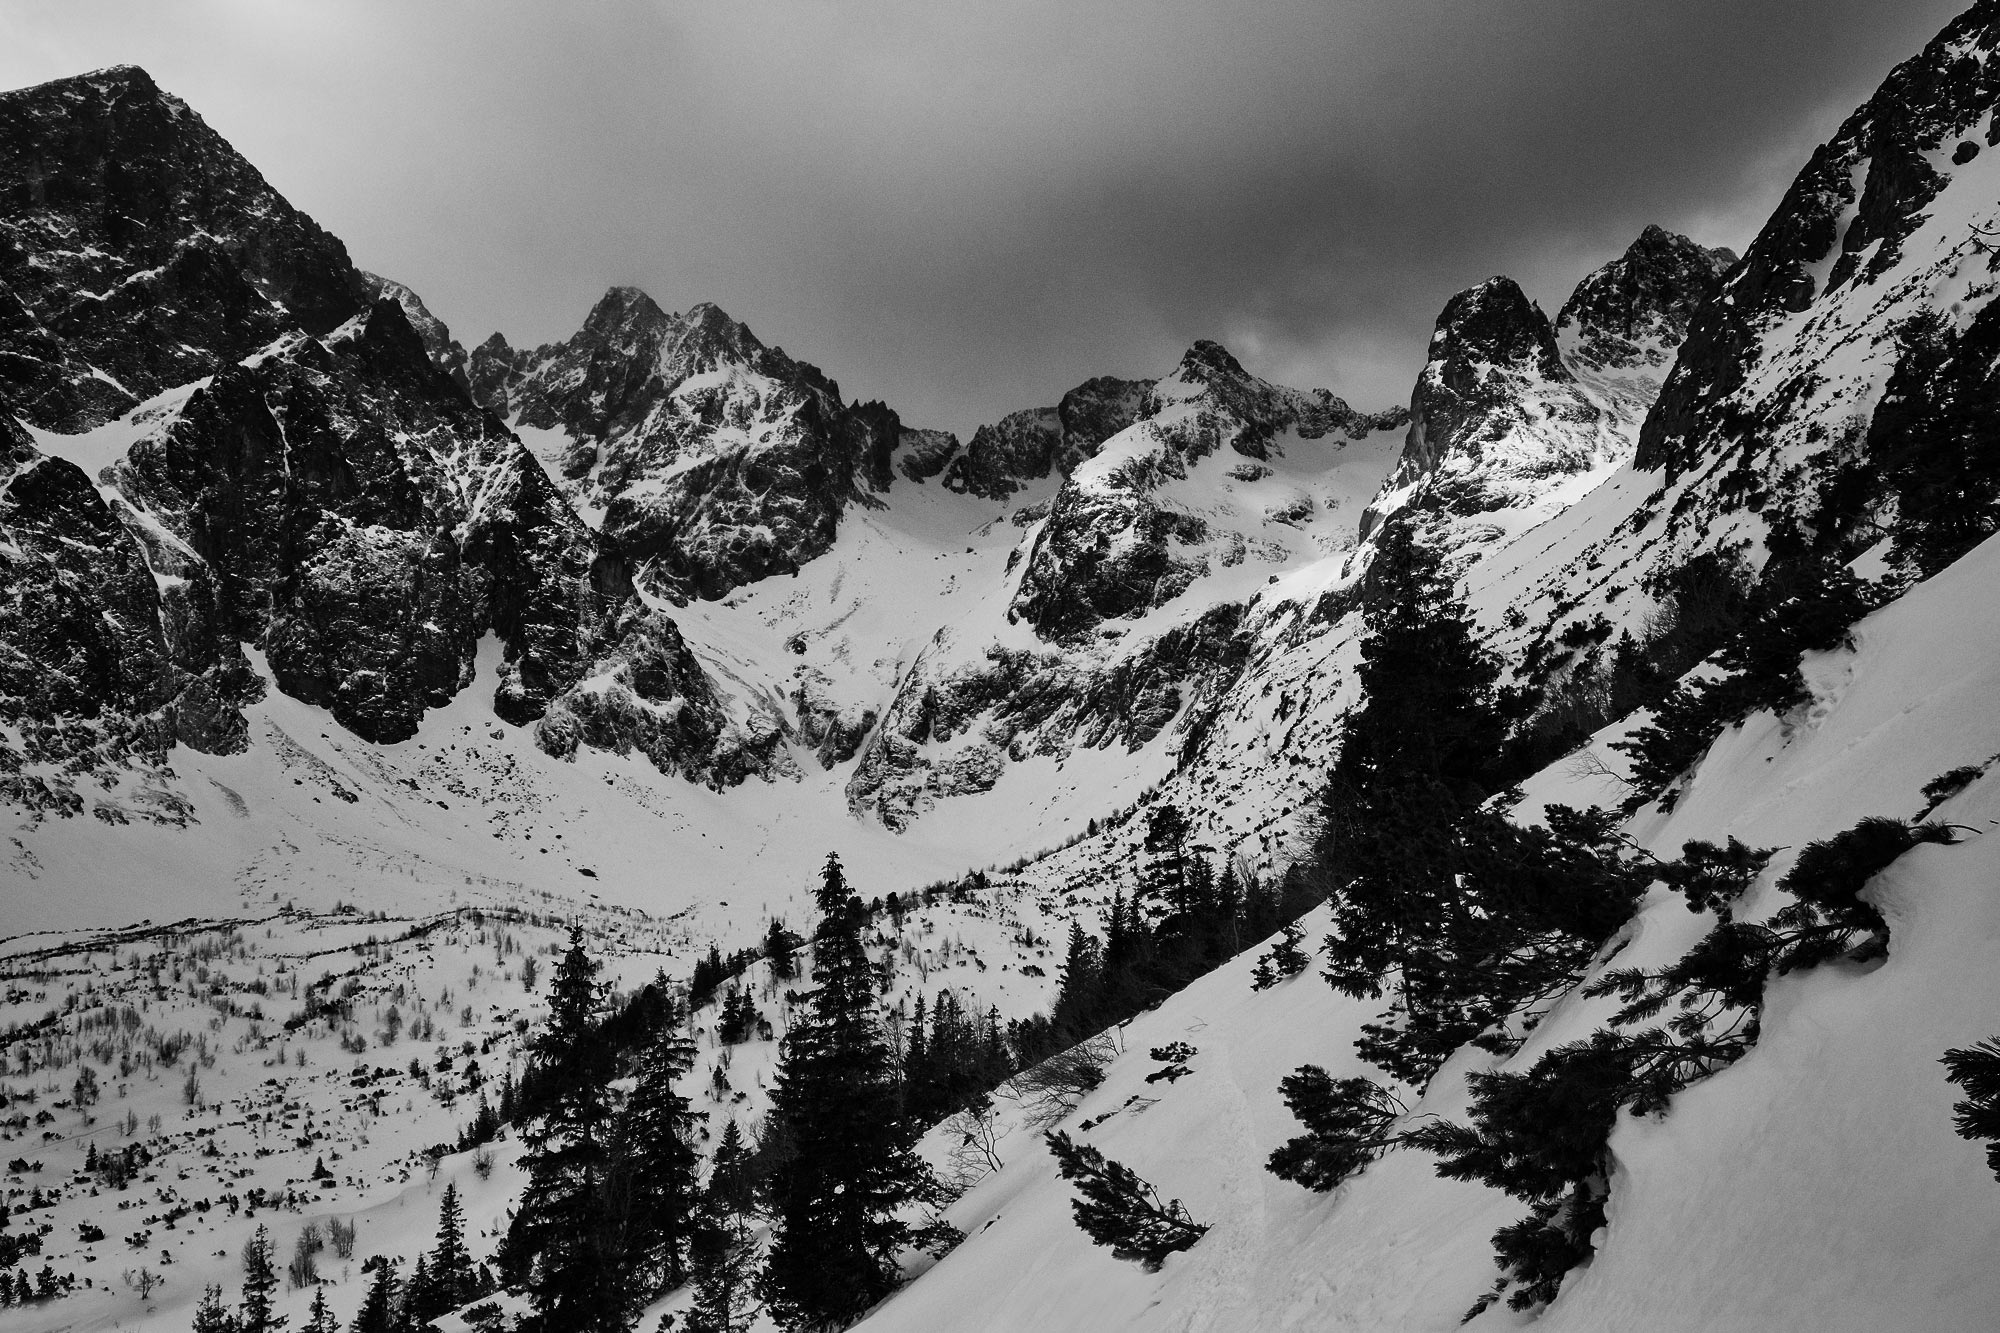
(452, 1279)
(732, 1184)
(852, 1164)
(260, 1283)
(564, 1241)
(1165, 893)
(319, 1319)
(723, 1249)
(1080, 983)
(419, 1304)
(1415, 757)
(378, 1306)
(658, 1164)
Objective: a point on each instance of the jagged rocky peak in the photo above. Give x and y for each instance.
(1494, 324)
(1492, 348)
(609, 376)
(490, 370)
(1210, 400)
(140, 251)
(1496, 413)
(923, 454)
(1634, 311)
(1841, 224)
(443, 349)
(709, 459)
(1114, 544)
(1032, 444)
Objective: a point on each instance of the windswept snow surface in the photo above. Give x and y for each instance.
(1816, 1184)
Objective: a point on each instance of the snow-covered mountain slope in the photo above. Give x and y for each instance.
(1766, 436)
(699, 558)
(1817, 1183)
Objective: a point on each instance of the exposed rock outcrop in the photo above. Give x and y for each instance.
(714, 460)
(1843, 222)
(139, 251)
(1115, 544)
(1030, 445)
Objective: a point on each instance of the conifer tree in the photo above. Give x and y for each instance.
(260, 1283)
(1416, 757)
(1116, 1208)
(378, 1306)
(210, 1316)
(419, 1304)
(319, 1319)
(564, 1236)
(1283, 959)
(1079, 986)
(658, 1163)
(723, 1250)
(453, 1281)
(1165, 893)
(1347, 1126)
(851, 1165)
(1977, 1069)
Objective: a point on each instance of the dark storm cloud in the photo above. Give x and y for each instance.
(965, 208)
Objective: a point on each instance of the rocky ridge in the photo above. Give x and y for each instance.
(712, 460)
(350, 503)
(139, 251)
(308, 481)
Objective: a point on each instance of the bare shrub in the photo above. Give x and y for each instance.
(1051, 1090)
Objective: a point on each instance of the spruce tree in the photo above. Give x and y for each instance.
(210, 1316)
(1077, 996)
(1164, 889)
(1415, 758)
(419, 1304)
(658, 1164)
(564, 1236)
(1115, 1208)
(260, 1283)
(723, 1250)
(852, 1165)
(378, 1307)
(319, 1319)
(453, 1281)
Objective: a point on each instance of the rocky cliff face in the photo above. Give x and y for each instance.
(138, 251)
(445, 351)
(1116, 542)
(713, 460)
(337, 486)
(1634, 312)
(1844, 226)
(306, 473)
(1127, 614)
(1033, 444)
(1511, 409)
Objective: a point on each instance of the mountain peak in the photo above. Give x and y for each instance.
(1207, 361)
(1634, 311)
(167, 229)
(1496, 323)
(623, 308)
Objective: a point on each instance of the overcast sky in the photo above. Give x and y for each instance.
(966, 206)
